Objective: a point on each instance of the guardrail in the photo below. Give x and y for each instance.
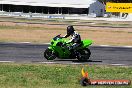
(41, 15)
(31, 15)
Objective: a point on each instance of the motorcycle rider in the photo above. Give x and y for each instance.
(75, 37)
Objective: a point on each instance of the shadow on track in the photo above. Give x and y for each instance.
(76, 61)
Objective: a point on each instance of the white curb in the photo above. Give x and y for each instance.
(118, 64)
(6, 61)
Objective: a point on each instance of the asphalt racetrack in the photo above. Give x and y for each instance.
(33, 53)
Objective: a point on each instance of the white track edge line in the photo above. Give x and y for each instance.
(6, 61)
(58, 63)
(118, 64)
(65, 63)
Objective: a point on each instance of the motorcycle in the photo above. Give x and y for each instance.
(59, 49)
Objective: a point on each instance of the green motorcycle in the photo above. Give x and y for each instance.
(59, 49)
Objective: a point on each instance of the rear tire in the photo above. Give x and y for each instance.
(49, 54)
(83, 55)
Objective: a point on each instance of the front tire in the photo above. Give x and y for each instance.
(83, 55)
(49, 54)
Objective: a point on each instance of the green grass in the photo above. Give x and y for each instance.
(4, 27)
(57, 76)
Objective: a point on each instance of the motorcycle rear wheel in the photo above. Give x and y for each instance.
(49, 54)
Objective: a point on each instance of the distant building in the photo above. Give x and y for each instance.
(89, 7)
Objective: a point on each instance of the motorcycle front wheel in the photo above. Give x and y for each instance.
(83, 55)
(49, 54)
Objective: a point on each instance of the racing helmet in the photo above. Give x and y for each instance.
(70, 30)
